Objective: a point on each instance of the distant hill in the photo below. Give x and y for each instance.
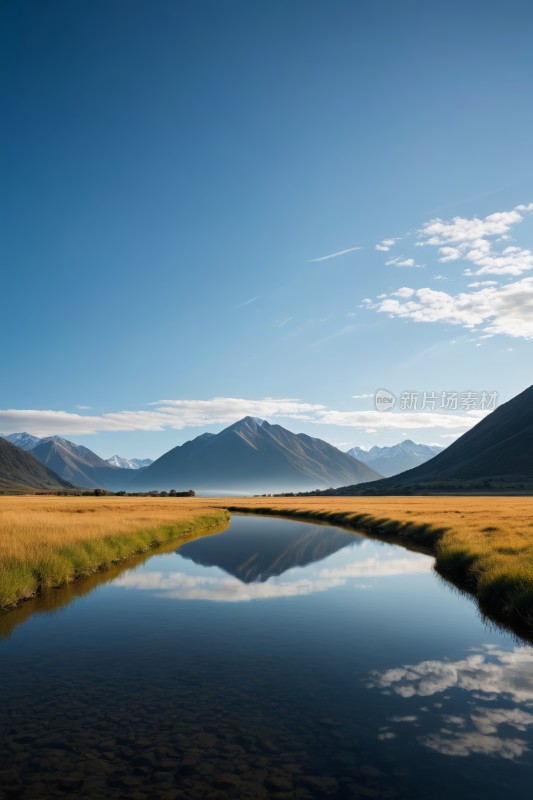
(396, 458)
(79, 465)
(496, 455)
(129, 463)
(21, 472)
(252, 456)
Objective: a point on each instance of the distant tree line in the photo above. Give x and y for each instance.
(107, 493)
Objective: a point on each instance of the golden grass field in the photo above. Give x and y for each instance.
(485, 544)
(49, 541)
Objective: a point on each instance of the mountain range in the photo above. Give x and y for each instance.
(252, 456)
(77, 464)
(496, 455)
(21, 472)
(396, 458)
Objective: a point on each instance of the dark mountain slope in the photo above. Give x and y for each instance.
(20, 471)
(497, 453)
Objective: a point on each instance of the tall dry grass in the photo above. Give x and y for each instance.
(49, 541)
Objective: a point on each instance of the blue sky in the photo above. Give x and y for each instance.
(173, 175)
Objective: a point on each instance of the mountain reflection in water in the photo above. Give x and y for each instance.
(254, 555)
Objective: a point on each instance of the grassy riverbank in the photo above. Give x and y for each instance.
(483, 544)
(50, 541)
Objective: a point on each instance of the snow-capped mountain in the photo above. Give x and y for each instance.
(396, 458)
(129, 463)
(23, 440)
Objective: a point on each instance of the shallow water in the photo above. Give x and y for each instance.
(275, 659)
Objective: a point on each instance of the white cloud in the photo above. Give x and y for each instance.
(493, 309)
(472, 239)
(334, 255)
(178, 414)
(505, 310)
(386, 244)
(399, 420)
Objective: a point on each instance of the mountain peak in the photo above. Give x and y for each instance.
(26, 441)
(252, 455)
(393, 459)
(129, 463)
(249, 422)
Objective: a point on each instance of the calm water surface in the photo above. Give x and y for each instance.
(275, 659)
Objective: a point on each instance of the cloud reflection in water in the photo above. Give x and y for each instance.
(489, 675)
(179, 585)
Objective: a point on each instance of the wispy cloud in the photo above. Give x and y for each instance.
(246, 302)
(83, 408)
(347, 329)
(334, 255)
(402, 261)
(284, 322)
